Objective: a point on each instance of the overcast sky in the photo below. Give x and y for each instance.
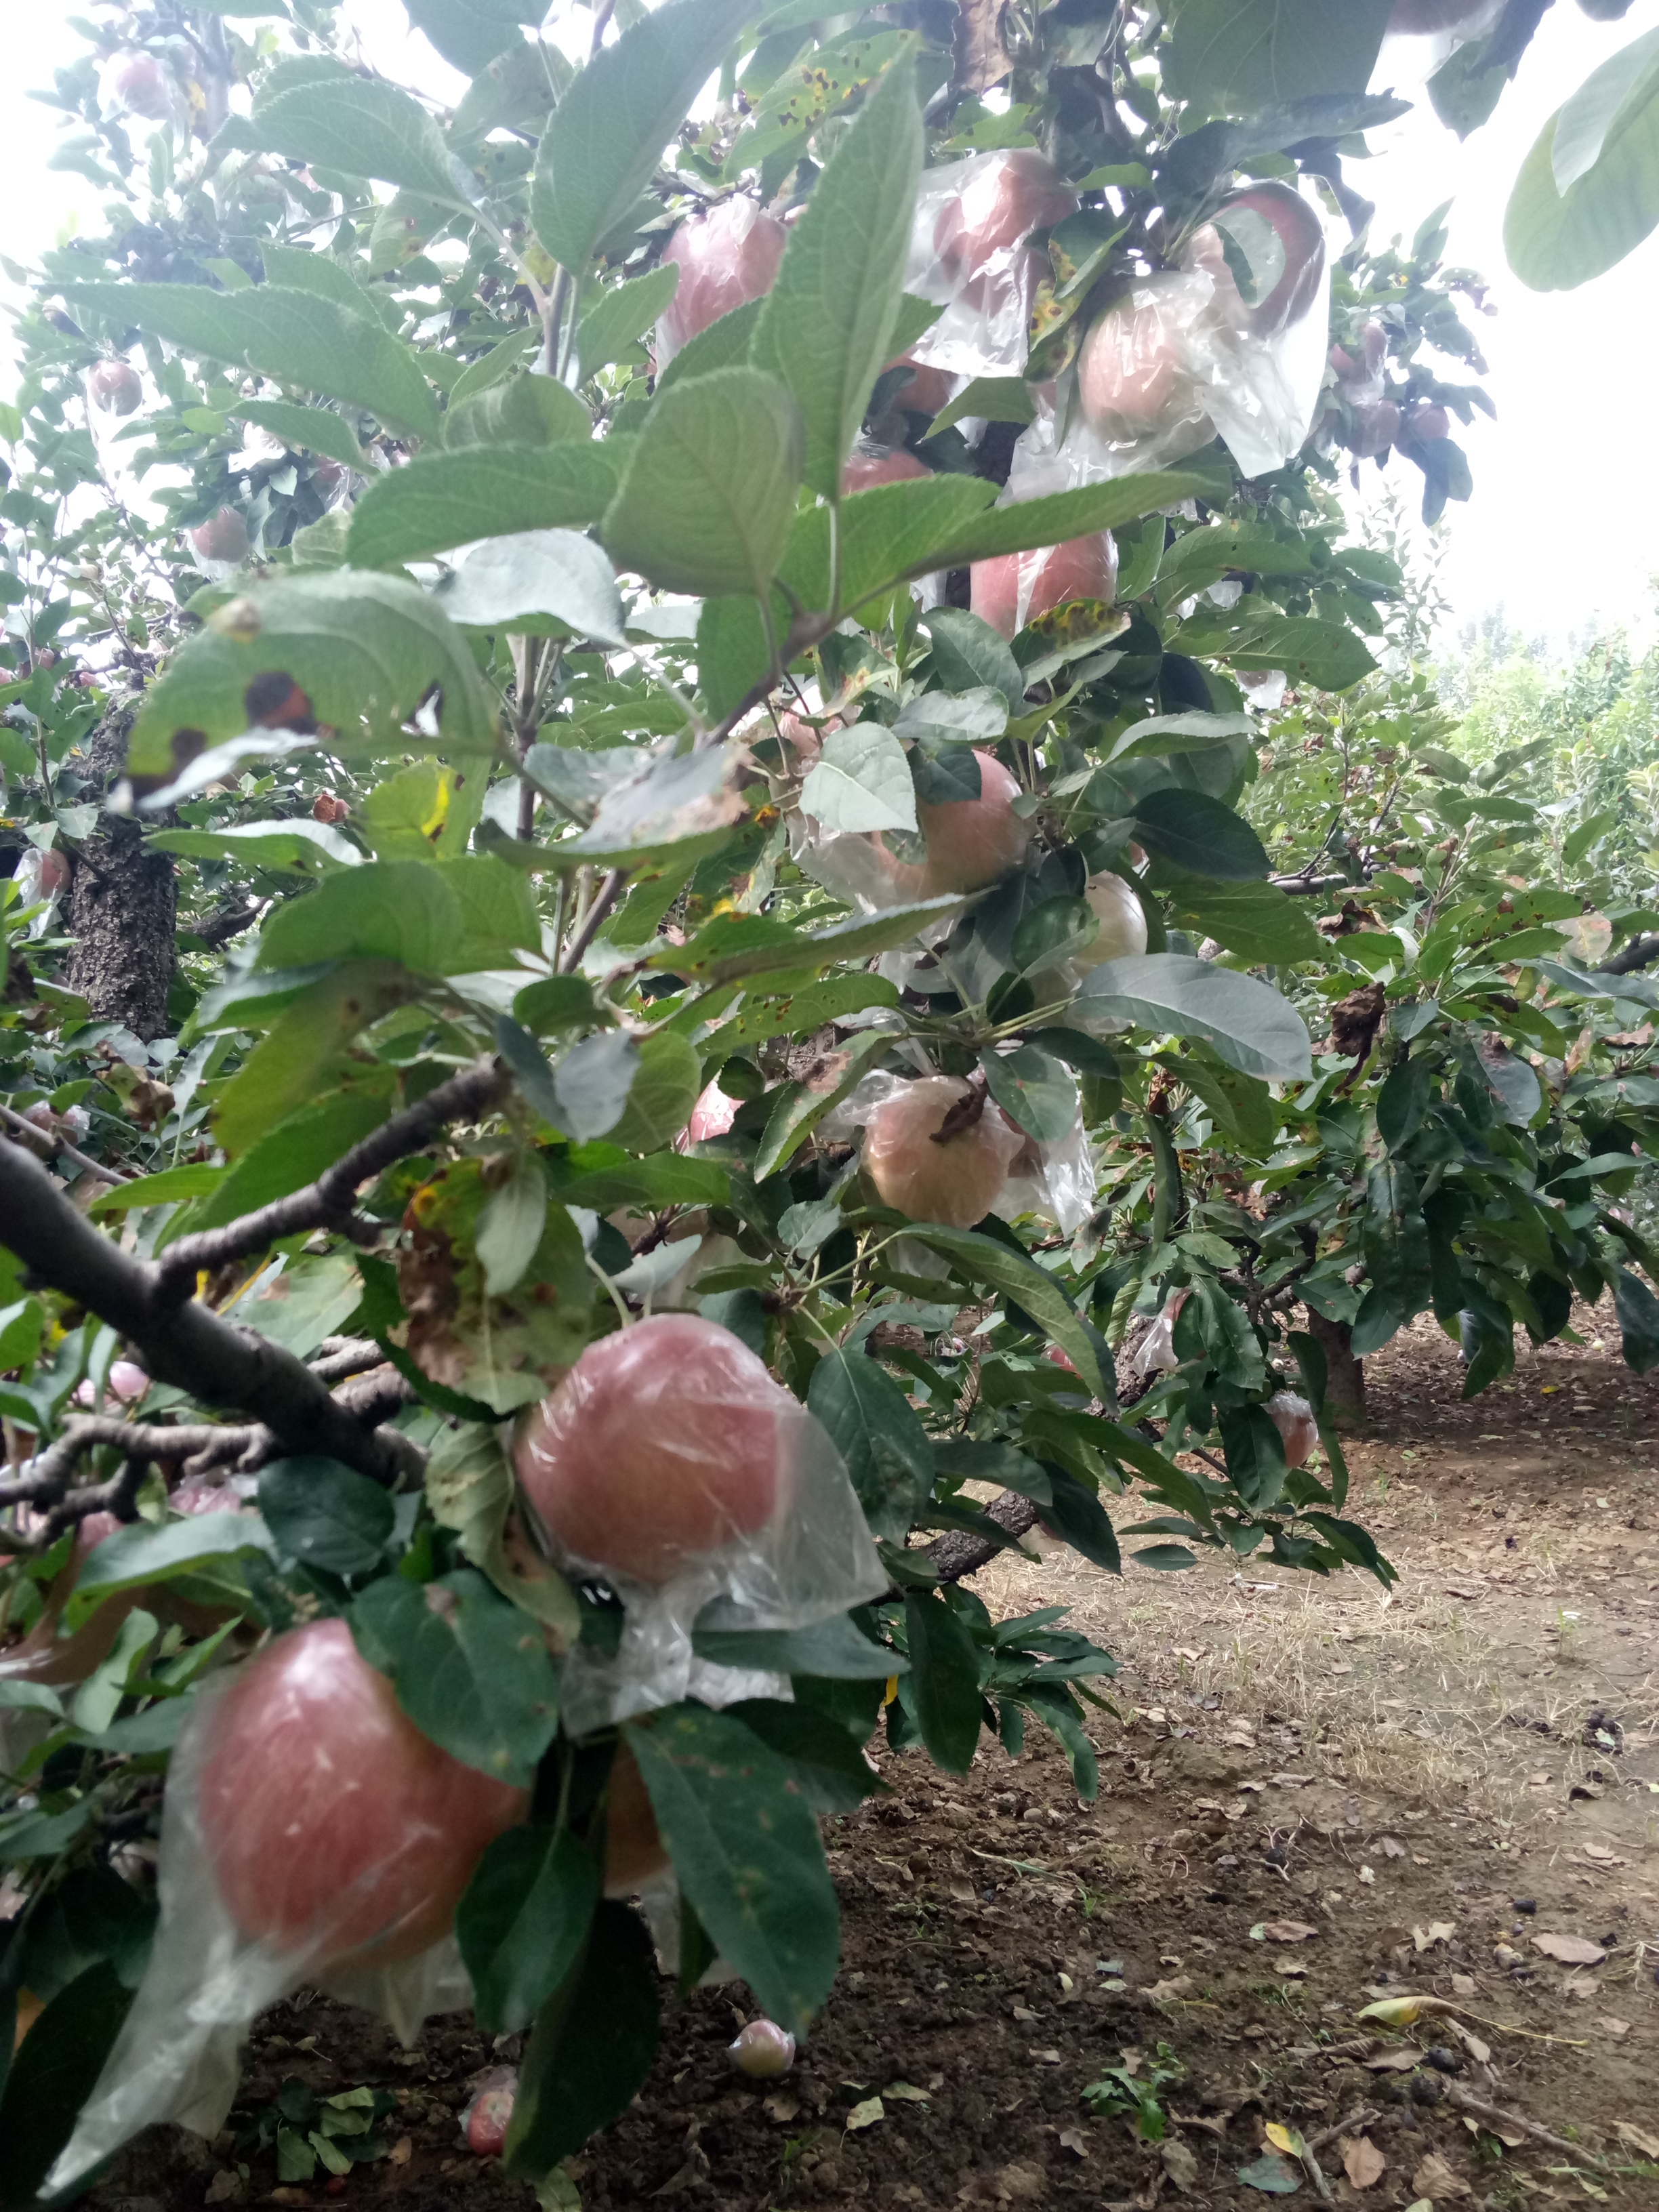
(1560, 529)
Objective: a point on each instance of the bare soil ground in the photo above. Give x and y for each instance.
(1314, 1795)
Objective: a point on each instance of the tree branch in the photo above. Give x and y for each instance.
(57, 1147)
(804, 632)
(959, 1552)
(592, 921)
(183, 1344)
(327, 1203)
(1640, 952)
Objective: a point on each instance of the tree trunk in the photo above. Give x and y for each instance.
(122, 905)
(1345, 1376)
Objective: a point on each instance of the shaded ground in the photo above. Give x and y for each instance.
(1427, 1782)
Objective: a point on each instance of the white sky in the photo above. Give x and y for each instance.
(1566, 481)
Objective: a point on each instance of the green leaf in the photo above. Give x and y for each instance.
(1198, 835)
(1253, 1028)
(470, 34)
(591, 2048)
(1320, 655)
(970, 655)
(522, 1923)
(872, 1424)
(831, 1771)
(359, 653)
(684, 807)
(1256, 1455)
(299, 847)
(1260, 922)
(745, 1847)
(987, 1259)
(558, 573)
(305, 429)
(709, 496)
(1074, 1512)
(53, 2074)
(861, 782)
(522, 410)
(666, 1081)
(825, 326)
(944, 1683)
(443, 500)
(470, 1670)
(361, 125)
(133, 1556)
(1051, 521)
(1237, 57)
(1588, 193)
(801, 1106)
(1637, 1311)
(604, 136)
(621, 312)
(303, 1054)
(323, 1515)
(591, 1083)
(294, 336)
(835, 1649)
(1035, 1092)
(511, 1225)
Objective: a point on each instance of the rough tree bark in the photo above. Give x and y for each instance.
(1345, 1376)
(122, 905)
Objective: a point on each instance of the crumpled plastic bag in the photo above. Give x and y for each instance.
(967, 256)
(794, 1547)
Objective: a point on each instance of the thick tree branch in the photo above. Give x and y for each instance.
(1640, 952)
(959, 1552)
(183, 1344)
(327, 1203)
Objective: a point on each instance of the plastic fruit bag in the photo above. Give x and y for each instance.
(968, 256)
(1156, 1353)
(1056, 1180)
(726, 256)
(310, 1833)
(671, 1467)
(961, 845)
(988, 1166)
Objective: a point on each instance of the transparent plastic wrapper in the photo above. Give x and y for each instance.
(967, 844)
(310, 1833)
(1182, 357)
(41, 879)
(1156, 1353)
(726, 256)
(1293, 1418)
(991, 1167)
(1056, 1180)
(1015, 588)
(968, 256)
(670, 1465)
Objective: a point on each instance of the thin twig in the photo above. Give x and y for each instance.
(1361, 2116)
(1499, 2117)
(58, 1147)
(592, 921)
(327, 1203)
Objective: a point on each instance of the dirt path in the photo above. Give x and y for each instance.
(1315, 1795)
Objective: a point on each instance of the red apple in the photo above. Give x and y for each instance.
(1133, 374)
(1428, 421)
(929, 391)
(763, 2050)
(52, 875)
(487, 2117)
(116, 386)
(1002, 202)
(956, 1183)
(333, 1826)
(729, 255)
(711, 1115)
(223, 537)
(140, 84)
(972, 842)
(1376, 427)
(1015, 588)
(665, 1442)
(1293, 1418)
(633, 1850)
(1302, 237)
(864, 471)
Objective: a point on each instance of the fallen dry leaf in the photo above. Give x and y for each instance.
(1289, 2140)
(401, 2152)
(1618, 2029)
(1362, 2161)
(866, 2114)
(1477, 2049)
(1637, 2139)
(1181, 2165)
(1462, 1986)
(1437, 1931)
(1393, 1848)
(1020, 2184)
(1434, 2180)
(1288, 1931)
(1570, 1950)
(1399, 2060)
(781, 2106)
(1177, 1986)
(1074, 2140)
(906, 2092)
(1214, 2124)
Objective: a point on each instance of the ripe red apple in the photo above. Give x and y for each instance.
(665, 1442)
(223, 537)
(328, 475)
(729, 255)
(487, 2117)
(1293, 1418)
(116, 386)
(1015, 588)
(633, 1850)
(1376, 427)
(52, 875)
(1302, 237)
(1373, 348)
(865, 471)
(1001, 204)
(333, 1826)
(1133, 374)
(711, 1115)
(140, 83)
(956, 1183)
(929, 391)
(1428, 421)
(972, 842)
